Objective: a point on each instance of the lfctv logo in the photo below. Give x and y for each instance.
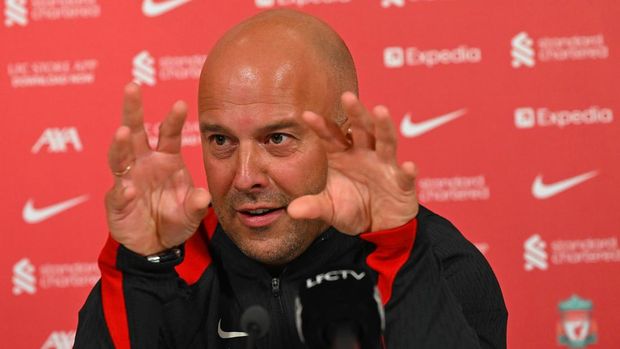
(398, 57)
(298, 3)
(528, 117)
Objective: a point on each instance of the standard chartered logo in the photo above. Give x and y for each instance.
(24, 280)
(534, 253)
(143, 70)
(15, 13)
(522, 51)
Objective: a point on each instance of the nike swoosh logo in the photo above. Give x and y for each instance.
(151, 8)
(541, 190)
(228, 335)
(410, 129)
(33, 215)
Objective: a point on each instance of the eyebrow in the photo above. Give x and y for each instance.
(272, 127)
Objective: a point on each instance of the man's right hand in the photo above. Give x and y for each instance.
(153, 205)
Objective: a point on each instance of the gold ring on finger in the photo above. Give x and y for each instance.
(124, 171)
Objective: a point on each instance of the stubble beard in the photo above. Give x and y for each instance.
(294, 238)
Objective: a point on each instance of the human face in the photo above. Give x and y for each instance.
(259, 155)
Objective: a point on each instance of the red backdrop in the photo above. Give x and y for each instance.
(506, 106)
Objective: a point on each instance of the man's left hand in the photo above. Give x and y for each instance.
(366, 190)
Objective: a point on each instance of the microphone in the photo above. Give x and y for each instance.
(255, 321)
(340, 309)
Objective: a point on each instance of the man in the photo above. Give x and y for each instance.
(301, 177)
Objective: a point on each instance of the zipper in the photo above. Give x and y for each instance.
(276, 291)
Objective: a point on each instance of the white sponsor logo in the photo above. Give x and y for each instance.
(401, 3)
(57, 139)
(24, 280)
(228, 335)
(535, 255)
(29, 279)
(52, 73)
(522, 51)
(390, 3)
(396, 57)
(570, 252)
(33, 215)
(541, 190)
(153, 8)
(410, 129)
(526, 51)
(15, 12)
(528, 117)
(298, 3)
(190, 134)
(148, 70)
(455, 189)
(144, 68)
(334, 275)
(60, 340)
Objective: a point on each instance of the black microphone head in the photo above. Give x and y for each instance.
(255, 321)
(339, 299)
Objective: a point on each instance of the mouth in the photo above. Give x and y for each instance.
(260, 217)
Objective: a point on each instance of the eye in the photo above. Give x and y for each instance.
(278, 138)
(219, 139)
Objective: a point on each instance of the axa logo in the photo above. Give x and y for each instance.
(535, 253)
(15, 13)
(143, 69)
(334, 275)
(59, 340)
(58, 140)
(411, 129)
(522, 51)
(154, 8)
(542, 190)
(24, 280)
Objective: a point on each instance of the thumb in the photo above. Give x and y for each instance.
(319, 206)
(197, 203)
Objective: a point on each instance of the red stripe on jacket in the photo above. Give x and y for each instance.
(112, 296)
(197, 258)
(393, 248)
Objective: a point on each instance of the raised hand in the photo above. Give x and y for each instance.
(367, 190)
(153, 204)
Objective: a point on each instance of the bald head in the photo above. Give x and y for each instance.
(270, 46)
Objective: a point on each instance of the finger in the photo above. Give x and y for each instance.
(121, 154)
(119, 197)
(196, 204)
(133, 117)
(385, 135)
(362, 128)
(410, 173)
(170, 131)
(327, 130)
(317, 206)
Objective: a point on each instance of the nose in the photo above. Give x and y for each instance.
(251, 171)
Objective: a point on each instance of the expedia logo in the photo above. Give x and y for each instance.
(398, 57)
(528, 117)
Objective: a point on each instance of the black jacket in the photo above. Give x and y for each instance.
(438, 291)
